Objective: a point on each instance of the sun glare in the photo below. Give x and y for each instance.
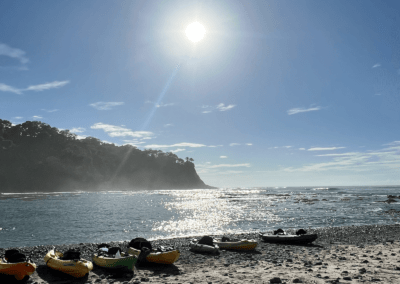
(195, 31)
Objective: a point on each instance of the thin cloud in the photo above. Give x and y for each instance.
(13, 53)
(46, 86)
(6, 88)
(18, 117)
(299, 110)
(394, 143)
(249, 144)
(36, 117)
(384, 160)
(105, 105)
(325, 148)
(223, 157)
(168, 125)
(77, 130)
(177, 150)
(337, 155)
(118, 131)
(165, 105)
(183, 144)
(247, 165)
(234, 144)
(376, 65)
(37, 88)
(215, 146)
(302, 149)
(280, 147)
(50, 110)
(220, 107)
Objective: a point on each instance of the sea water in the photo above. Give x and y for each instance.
(29, 219)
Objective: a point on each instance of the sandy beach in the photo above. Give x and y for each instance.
(363, 254)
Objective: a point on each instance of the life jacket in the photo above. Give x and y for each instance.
(14, 256)
(206, 240)
(71, 254)
(139, 243)
(301, 232)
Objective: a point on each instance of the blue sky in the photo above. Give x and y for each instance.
(277, 93)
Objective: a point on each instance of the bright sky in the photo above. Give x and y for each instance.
(276, 93)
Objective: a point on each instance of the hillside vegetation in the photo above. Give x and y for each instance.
(37, 157)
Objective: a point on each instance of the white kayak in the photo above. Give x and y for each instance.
(196, 247)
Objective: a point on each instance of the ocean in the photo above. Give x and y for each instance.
(31, 219)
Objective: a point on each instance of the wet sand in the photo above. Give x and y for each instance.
(362, 254)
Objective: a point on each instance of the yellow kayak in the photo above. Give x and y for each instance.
(75, 268)
(168, 257)
(237, 245)
(19, 270)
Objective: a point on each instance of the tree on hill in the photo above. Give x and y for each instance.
(47, 159)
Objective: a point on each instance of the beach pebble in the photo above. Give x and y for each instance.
(297, 280)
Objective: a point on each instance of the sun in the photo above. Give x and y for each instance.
(195, 31)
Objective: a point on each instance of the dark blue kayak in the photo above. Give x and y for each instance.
(290, 239)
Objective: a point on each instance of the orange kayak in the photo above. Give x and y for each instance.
(19, 270)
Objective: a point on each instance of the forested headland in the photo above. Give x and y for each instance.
(37, 157)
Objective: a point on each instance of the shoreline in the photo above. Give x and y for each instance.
(268, 259)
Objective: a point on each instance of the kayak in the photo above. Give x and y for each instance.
(76, 268)
(290, 239)
(126, 261)
(237, 245)
(196, 247)
(19, 270)
(167, 257)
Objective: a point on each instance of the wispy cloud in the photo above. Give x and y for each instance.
(299, 110)
(280, 147)
(77, 130)
(325, 148)
(384, 160)
(165, 105)
(50, 110)
(183, 144)
(220, 107)
(302, 149)
(337, 155)
(6, 88)
(18, 117)
(215, 146)
(234, 144)
(46, 86)
(37, 88)
(36, 117)
(249, 144)
(13, 53)
(376, 65)
(168, 125)
(246, 165)
(105, 105)
(118, 131)
(178, 150)
(223, 157)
